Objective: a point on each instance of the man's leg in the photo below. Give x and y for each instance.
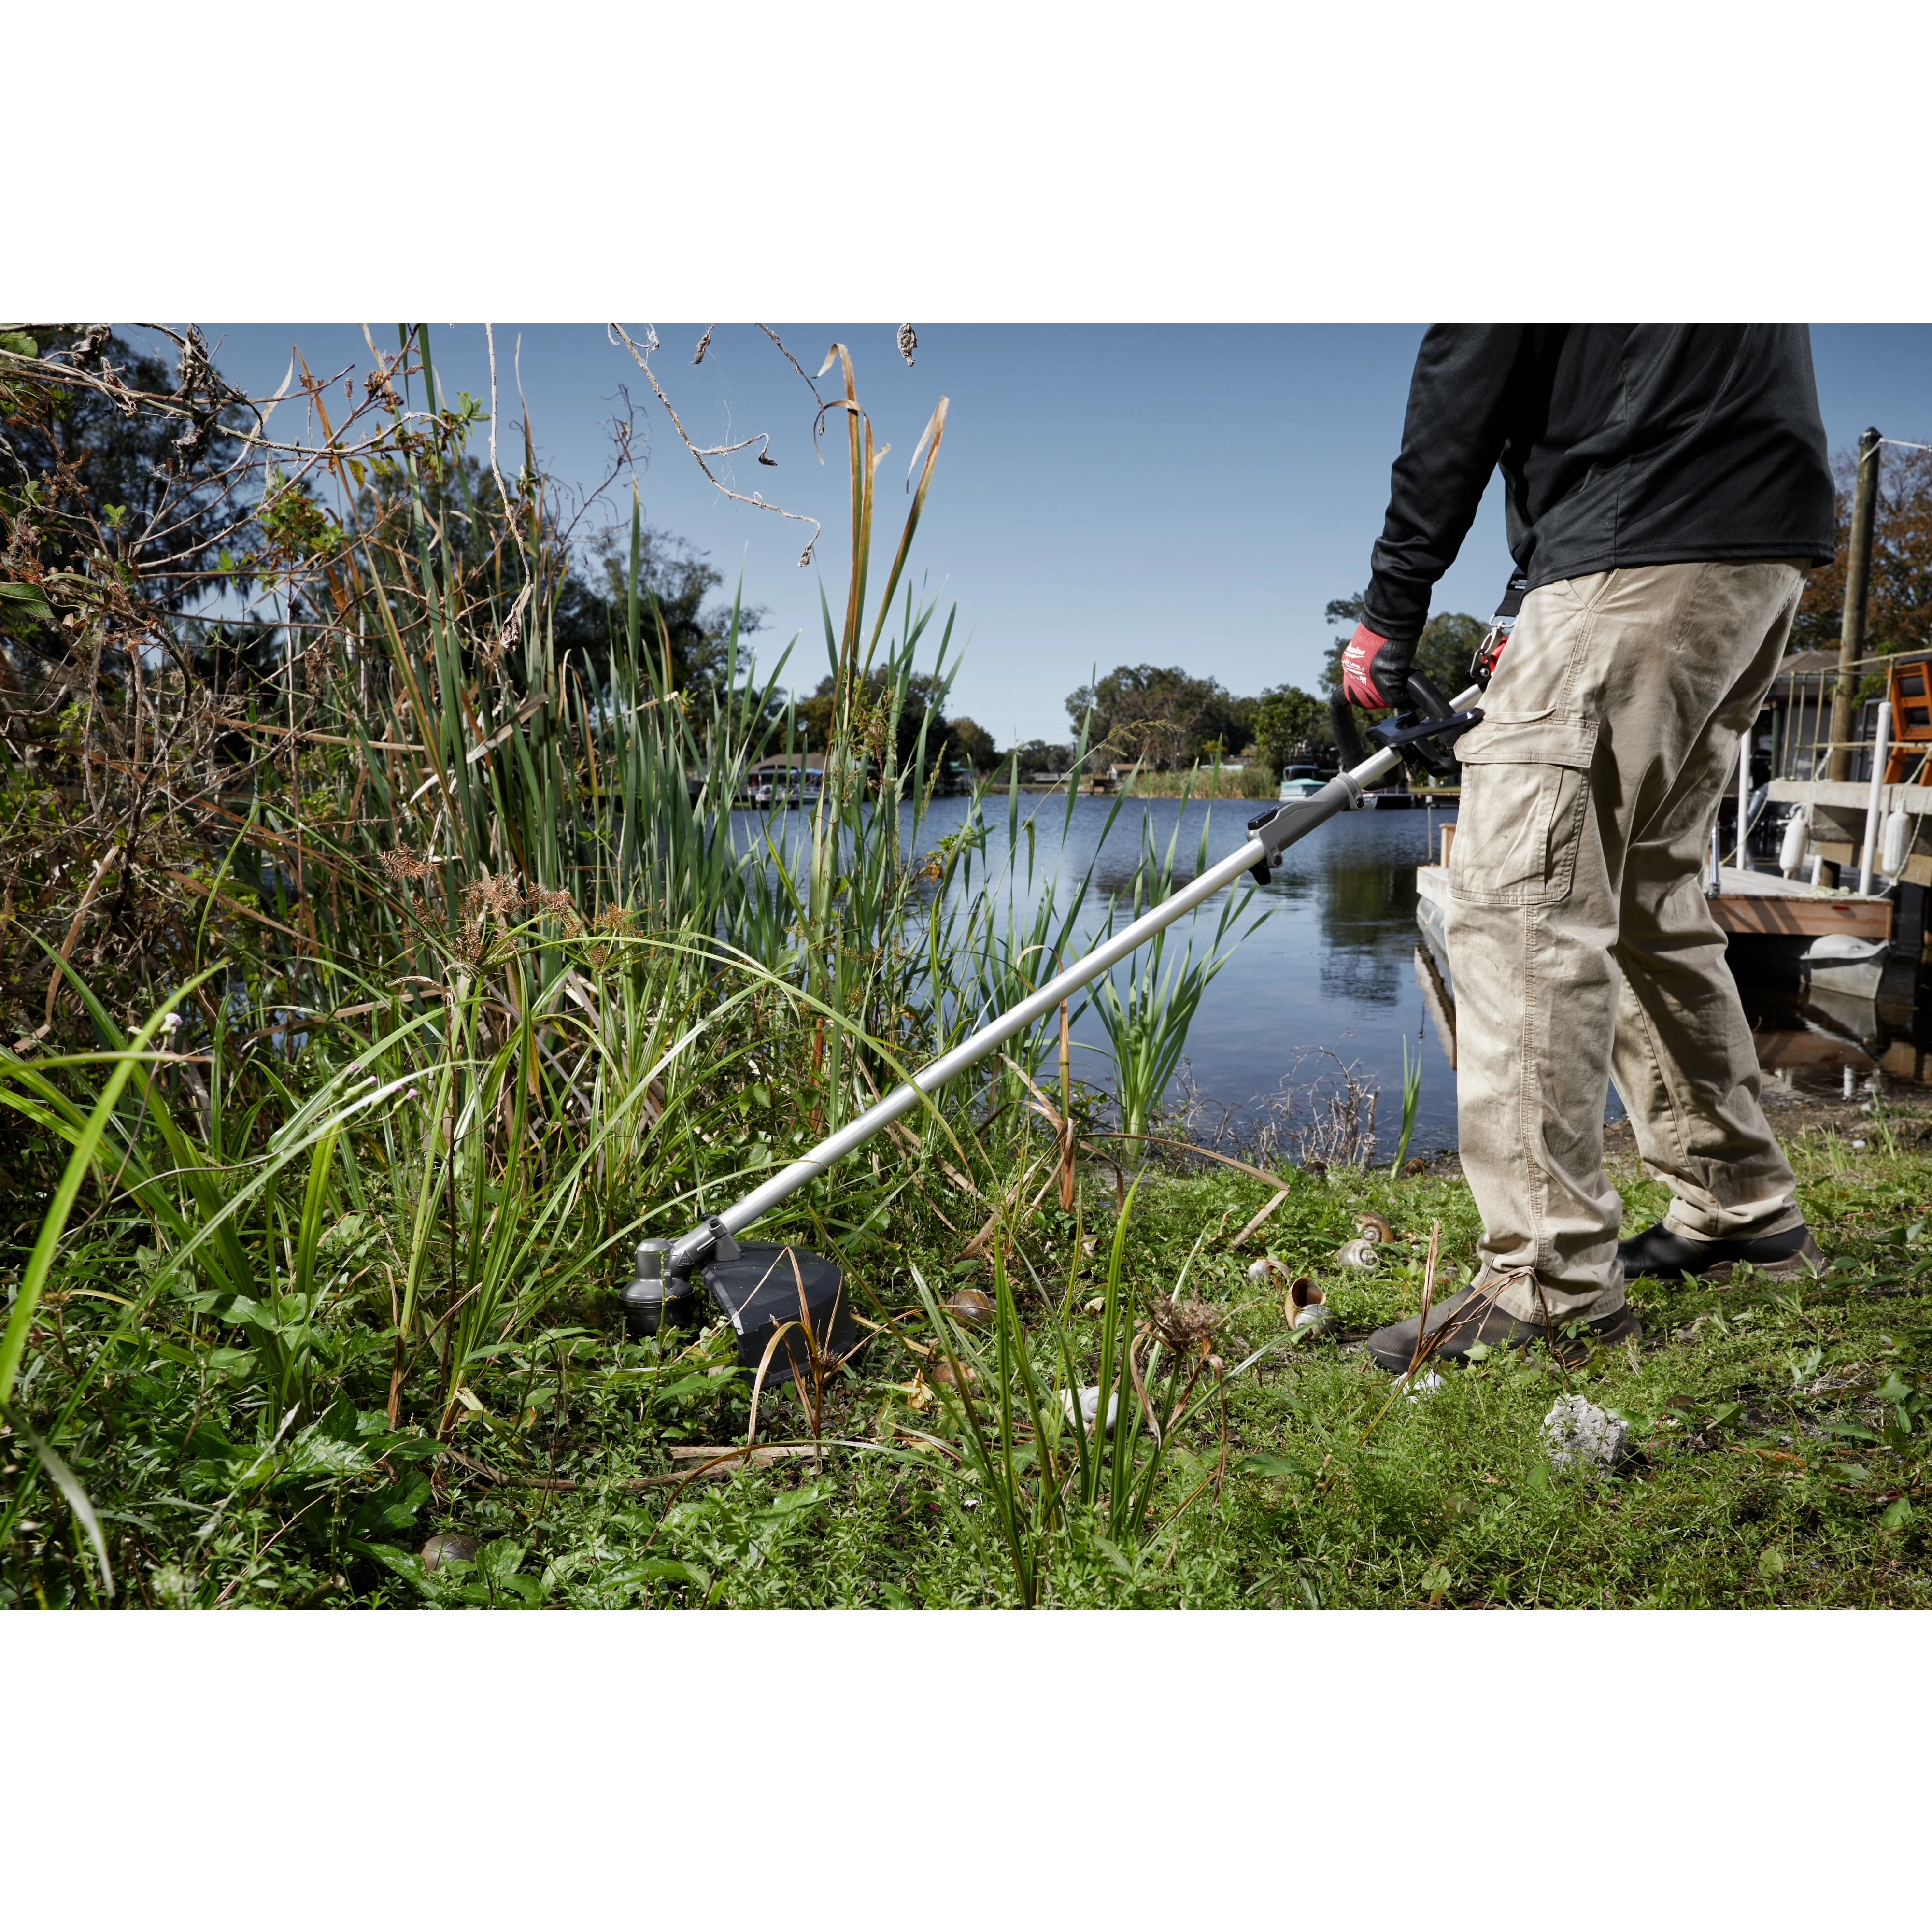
(1602, 728)
(1685, 1063)
(1532, 922)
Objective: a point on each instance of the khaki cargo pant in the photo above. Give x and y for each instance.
(1579, 940)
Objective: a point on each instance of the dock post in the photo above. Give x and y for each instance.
(1852, 631)
(1744, 796)
(1875, 797)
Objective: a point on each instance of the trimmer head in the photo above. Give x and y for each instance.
(758, 1287)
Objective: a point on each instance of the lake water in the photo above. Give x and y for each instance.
(1333, 967)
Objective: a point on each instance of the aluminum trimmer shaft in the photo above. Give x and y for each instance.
(1293, 821)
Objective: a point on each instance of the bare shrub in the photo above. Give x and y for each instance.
(1322, 1114)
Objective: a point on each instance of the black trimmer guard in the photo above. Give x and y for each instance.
(761, 1290)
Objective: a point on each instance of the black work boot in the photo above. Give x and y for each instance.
(1472, 1316)
(1665, 1255)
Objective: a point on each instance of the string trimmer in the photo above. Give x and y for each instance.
(760, 1286)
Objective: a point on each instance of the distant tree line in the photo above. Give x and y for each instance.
(1168, 718)
(948, 741)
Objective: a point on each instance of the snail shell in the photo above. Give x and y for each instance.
(1259, 1271)
(1090, 1407)
(1307, 1306)
(971, 1308)
(943, 1376)
(449, 1548)
(1374, 1228)
(1359, 1254)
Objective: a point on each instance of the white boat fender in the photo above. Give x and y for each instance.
(1894, 843)
(1840, 948)
(1797, 840)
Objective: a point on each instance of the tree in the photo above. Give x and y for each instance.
(1159, 716)
(974, 743)
(1037, 755)
(1348, 611)
(479, 547)
(1228, 726)
(673, 575)
(923, 708)
(1288, 725)
(1898, 610)
(1447, 645)
(104, 502)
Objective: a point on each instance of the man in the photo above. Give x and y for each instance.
(1667, 487)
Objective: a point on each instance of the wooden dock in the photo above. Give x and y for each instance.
(1768, 904)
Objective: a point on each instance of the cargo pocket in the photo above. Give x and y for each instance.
(1526, 785)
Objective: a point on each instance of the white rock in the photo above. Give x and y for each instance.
(1090, 1406)
(1427, 1383)
(1578, 1435)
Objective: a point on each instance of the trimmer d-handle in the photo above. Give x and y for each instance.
(1422, 735)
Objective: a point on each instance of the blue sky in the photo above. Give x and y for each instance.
(1106, 495)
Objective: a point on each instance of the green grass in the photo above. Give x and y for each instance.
(1779, 1452)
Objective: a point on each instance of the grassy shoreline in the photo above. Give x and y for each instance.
(1779, 1446)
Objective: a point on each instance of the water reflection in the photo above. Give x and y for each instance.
(1825, 1043)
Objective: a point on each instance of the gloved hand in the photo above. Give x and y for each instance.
(1374, 669)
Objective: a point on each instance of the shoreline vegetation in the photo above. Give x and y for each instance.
(375, 980)
(1204, 783)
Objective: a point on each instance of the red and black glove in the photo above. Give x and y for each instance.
(1374, 669)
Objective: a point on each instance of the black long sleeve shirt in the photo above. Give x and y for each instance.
(1620, 443)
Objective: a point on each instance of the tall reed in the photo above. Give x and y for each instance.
(520, 984)
(1148, 1004)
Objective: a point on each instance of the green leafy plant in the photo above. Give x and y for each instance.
(1411, 1098)
(1147, 1023)
(1055, 1479)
